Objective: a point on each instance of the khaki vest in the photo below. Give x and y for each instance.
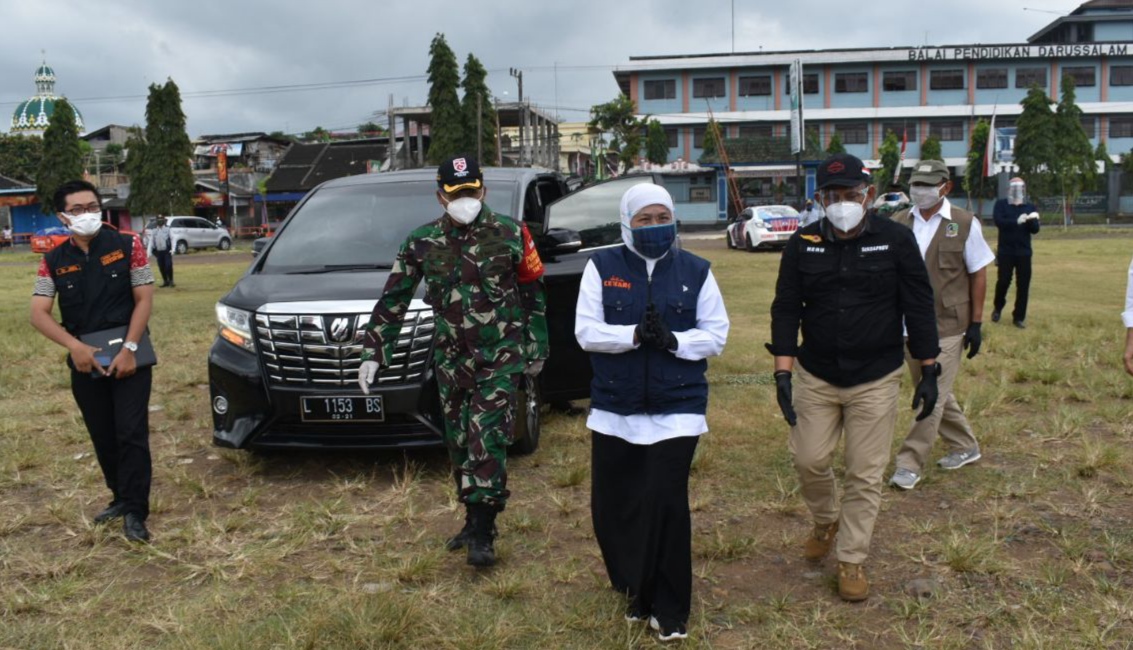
(951, 285)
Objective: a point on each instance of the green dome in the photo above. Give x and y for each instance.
(33, 115)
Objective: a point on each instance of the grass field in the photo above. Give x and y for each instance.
(1030, 548)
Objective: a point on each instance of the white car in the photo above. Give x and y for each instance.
(763, 226)
(194, 232)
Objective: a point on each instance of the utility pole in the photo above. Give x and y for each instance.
(518, 74)
(733, 26)
(479, 128)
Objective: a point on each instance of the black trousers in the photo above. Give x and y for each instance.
(1009, 265)
(639, 504)
(165, 265)
(116, 412)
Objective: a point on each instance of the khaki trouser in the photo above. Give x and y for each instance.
(947, 419)
(866, 414)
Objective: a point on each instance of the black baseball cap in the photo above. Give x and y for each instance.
(459, 173)
(842, 170)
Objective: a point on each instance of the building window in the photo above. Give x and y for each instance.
(1083, 76)
(709, 87)
(1089, 125)
(900, 128)
(851, 82)
(991, 78)
(755, 130)
(1027, 77)
(1121, 127)
(810, 83)
(698, 137)
(700, 195)
(898, 81)
(946, 131)
(1121, 75)
(660, 89)
(946, 80)
(853, 132)
(672, 136)
(755, 85)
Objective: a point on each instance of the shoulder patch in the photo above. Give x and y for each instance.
(531, 268)
(812, 238)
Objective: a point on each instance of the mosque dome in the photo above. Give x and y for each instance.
(31, 117)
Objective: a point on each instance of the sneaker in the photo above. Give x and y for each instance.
(820, 541)
(668, 633)
(995, 316)
(905, 479)
(634, 615)
(853, 586)
(958, 459)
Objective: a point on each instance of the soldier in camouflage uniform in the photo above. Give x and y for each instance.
(483, 280)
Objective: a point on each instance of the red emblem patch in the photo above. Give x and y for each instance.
(836, 167)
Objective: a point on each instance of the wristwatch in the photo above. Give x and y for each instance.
(131, 346)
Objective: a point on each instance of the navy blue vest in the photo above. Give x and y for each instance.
(647, 380)
(93, 288)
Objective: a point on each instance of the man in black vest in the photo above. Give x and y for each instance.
(103, 281)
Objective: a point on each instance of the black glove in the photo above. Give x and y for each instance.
(973, 339)
(927, 391)
(641, 332)
(657, 333)
(783, 394)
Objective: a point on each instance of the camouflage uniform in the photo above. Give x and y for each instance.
(484, 284)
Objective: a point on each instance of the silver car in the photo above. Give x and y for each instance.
(195, 232)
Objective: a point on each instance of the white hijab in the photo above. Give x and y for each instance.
(637, 197)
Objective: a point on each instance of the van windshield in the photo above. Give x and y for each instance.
(354, 227)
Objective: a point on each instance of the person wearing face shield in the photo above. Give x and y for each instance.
(1017, 219)
(848, 282)
(956, 255)
(650, 315)
(103, 281)
(483, 279)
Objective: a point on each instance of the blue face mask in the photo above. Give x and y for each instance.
(654, 241)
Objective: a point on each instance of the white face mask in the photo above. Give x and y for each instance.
(86, 225)
(845, 215)
(464, 210)
(924, 197)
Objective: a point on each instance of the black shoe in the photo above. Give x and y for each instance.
(171, 285)
(113, 511)
(461, 539)
(995, 316)
(668, 631)
(1020, 324)
(481, 546)
(134, 527)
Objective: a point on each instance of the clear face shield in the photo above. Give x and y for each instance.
(1016, 193)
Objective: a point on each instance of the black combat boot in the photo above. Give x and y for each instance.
(481, 544)
(460, 540)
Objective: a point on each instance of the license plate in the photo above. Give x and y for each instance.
(363, 408)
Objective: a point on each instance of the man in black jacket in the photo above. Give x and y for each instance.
(1017, 219)
(849, 281)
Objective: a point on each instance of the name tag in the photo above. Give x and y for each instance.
(111, 258)
(875, 249)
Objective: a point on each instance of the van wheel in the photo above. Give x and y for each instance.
(528, 417)
(182, 247)
(225, 244)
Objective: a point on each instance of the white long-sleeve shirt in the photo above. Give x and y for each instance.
(705, 340)
(1127, 315)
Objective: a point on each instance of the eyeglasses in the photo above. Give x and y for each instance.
(834, 196)
(76, 210)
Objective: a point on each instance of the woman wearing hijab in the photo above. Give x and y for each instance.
(650, 315)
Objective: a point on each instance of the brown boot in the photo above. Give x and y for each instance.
(819, 543)
(852, 583)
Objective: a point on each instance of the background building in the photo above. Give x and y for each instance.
(32, 116)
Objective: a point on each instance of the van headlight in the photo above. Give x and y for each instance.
(235, 326)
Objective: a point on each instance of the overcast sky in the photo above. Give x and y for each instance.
(106, 53)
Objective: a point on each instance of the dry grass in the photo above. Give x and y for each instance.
(1031, 547)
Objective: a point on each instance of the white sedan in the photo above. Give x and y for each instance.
(763, 226)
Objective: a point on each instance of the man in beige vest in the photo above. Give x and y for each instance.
(956, 255)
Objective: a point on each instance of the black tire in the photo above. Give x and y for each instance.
(528, 418)
(182, 247)
(750, 246)
(224, 244)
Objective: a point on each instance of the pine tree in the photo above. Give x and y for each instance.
(62, 157)
(710, 144)
(1073, 164)
(1034, 142)
(835, 146)
(656, 143)
(930, 149)
(476, 87)
(890, 154)
(974, 182)
(161, 180)
(446, 129)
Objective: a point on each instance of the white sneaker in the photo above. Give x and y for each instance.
(904, 479)
(675, 633)
(958, 459)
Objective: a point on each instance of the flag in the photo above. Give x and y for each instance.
(989, 155)
(901, 161)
